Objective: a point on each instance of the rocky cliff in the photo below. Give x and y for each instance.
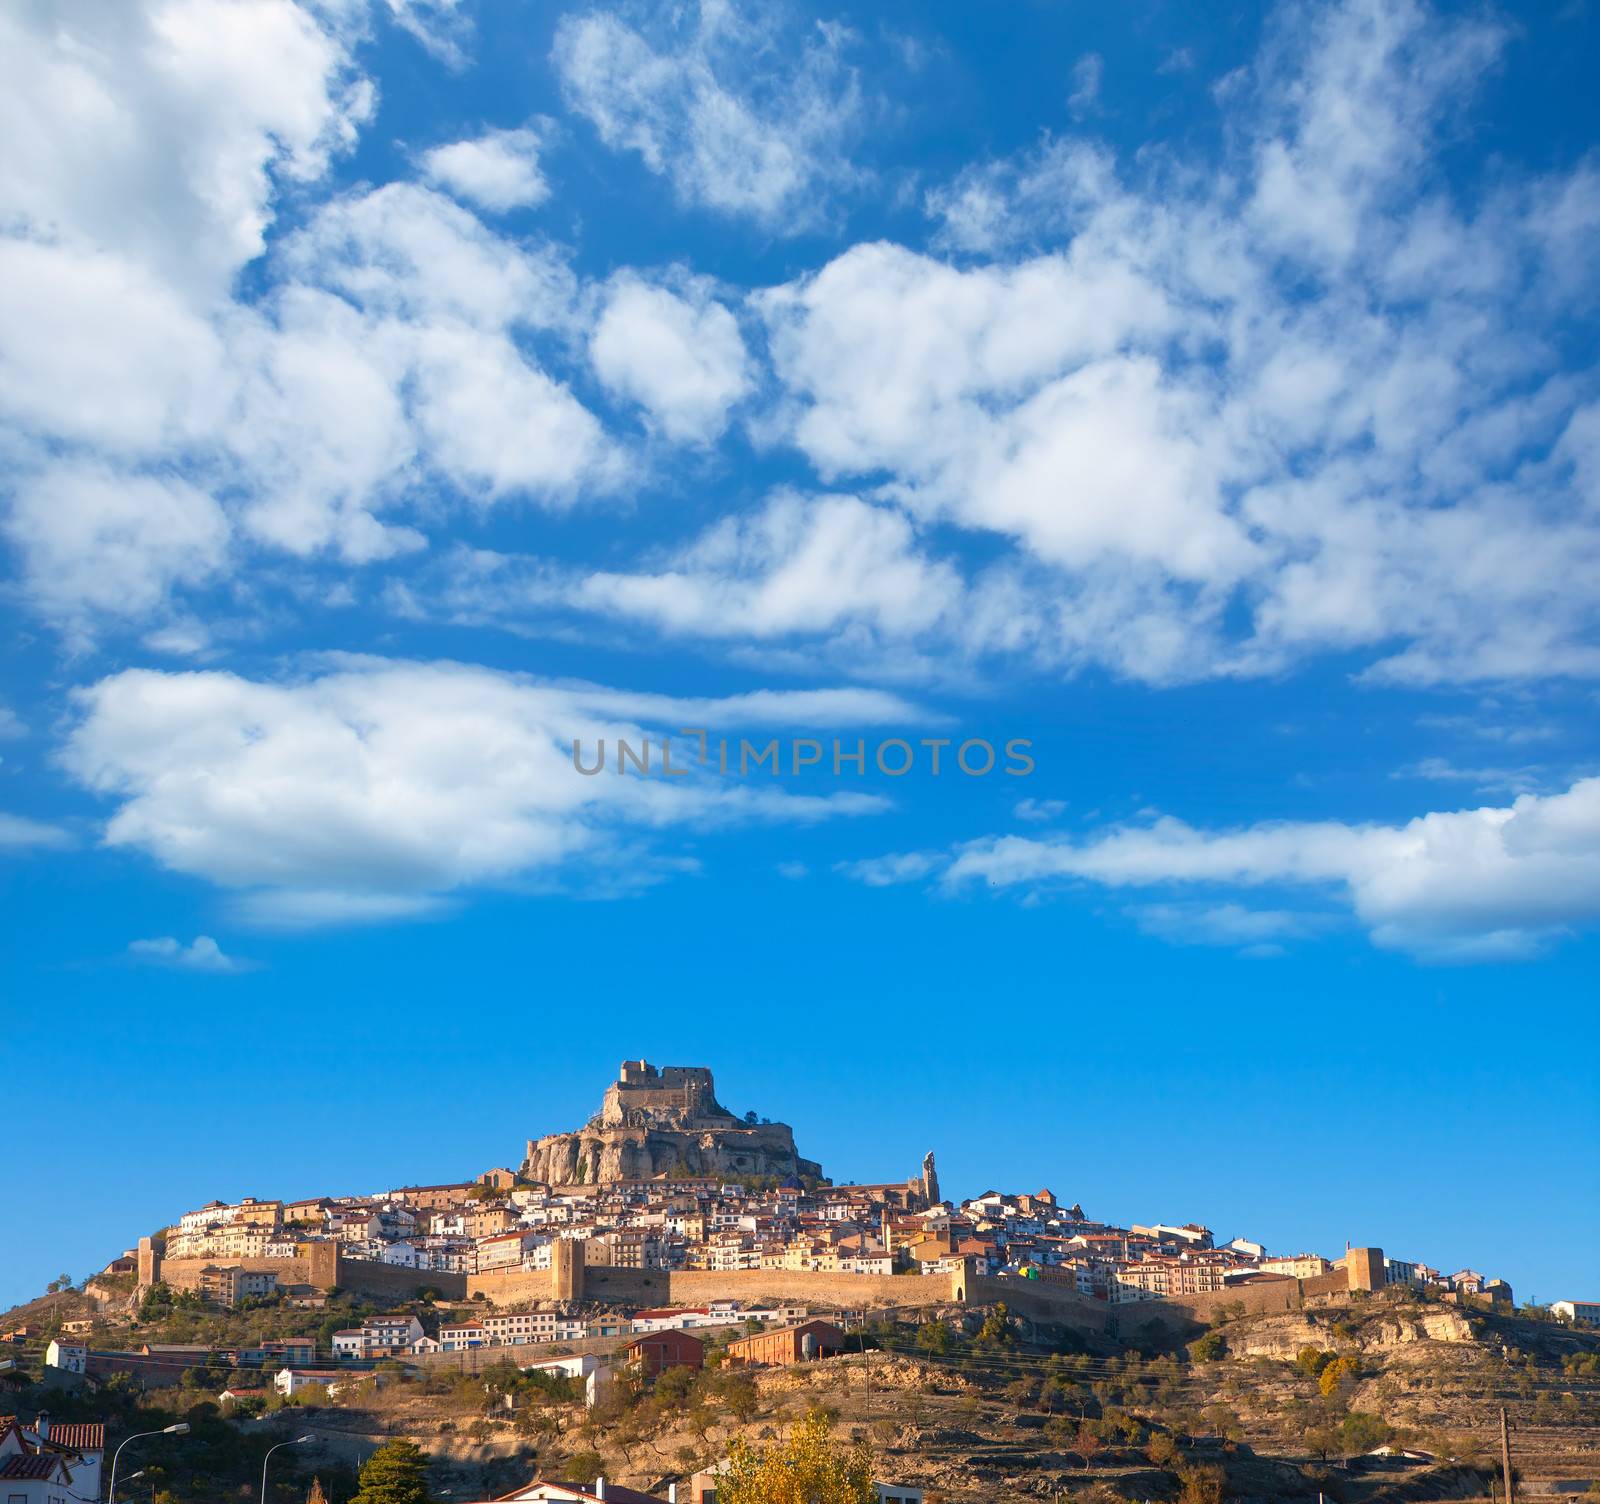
(662, 1122)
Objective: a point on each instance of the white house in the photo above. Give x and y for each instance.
(461, 1335)
(34, 1472)
(584, 1366)
(83, 1444)
(351, 1342)
(290, 1381)
(1577, 1310)
(71, 1356)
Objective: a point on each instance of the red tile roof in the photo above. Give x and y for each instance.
(78, 1436)
(31, 1465)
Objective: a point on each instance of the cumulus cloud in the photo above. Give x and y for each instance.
(201, 954)
(162, 425)
(377, 788)
(1229, 416)
(497, 171)
(742, 107)
(1496, 882)
(679, 357)
(163, 127)
(799, 565)
(849, 580)
(98, 542)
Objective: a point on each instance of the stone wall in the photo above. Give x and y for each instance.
(695, 1287)
(623, 1287)
(1039, 1300)
(325, 1268)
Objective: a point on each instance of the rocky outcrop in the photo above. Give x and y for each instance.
(664, 1122)
(1283, 1336)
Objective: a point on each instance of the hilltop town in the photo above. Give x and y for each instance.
(665, 1181)
(669, 1236)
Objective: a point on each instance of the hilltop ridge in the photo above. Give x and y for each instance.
(665, 1121)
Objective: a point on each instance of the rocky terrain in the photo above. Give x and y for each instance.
(665, 1121)
(974, 1405)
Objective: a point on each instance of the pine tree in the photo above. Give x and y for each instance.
(316, 1496)
(394, 1474)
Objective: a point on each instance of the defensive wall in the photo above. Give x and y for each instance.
(598, 1282)
(697, 1287)
(1147, 1319)
(323, 1267)
(1037, 1299)
(573, 1278)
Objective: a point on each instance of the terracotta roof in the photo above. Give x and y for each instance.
(31, 1465)
(78, 1436)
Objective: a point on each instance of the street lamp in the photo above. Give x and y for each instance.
(294, 1442)
(181, 1429)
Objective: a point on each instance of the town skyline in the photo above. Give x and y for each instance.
(463, 1256)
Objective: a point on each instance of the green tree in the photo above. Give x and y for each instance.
(1312, 1360)
(1360, 1432)
(809, 1467)
(394, 1474)
(1209, 1348)
(997, 1330)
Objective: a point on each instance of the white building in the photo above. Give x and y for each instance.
(290, 1381)
(71, 1356)
(1577, 1310)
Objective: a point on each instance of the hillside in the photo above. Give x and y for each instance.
(961, 1401)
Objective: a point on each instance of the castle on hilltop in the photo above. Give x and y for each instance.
(674, 1096)
(665, 1122)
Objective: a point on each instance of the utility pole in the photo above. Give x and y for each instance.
(1505, 1456)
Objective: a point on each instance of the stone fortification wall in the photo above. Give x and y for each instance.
(694, 1287)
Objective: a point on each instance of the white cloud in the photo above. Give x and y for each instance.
(380, 787)
(800, 565)
(201, 954)
(889, 871)
(399, 350)
(1087, 72)
(162, 127)
(444, 28)
(498, 170)
(1442, 770)
(408, 253)
(1496, 882)
(679, 357)
(1040, 810)
(1296, 401)
(1254, 931)
(19, 833)
(498, 426)
(740, 106)
(95, 540)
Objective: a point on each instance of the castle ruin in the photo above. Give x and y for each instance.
(664, 1122)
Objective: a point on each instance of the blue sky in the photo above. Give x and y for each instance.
(391, 394)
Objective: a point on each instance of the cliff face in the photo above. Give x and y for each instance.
(663, 1121)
